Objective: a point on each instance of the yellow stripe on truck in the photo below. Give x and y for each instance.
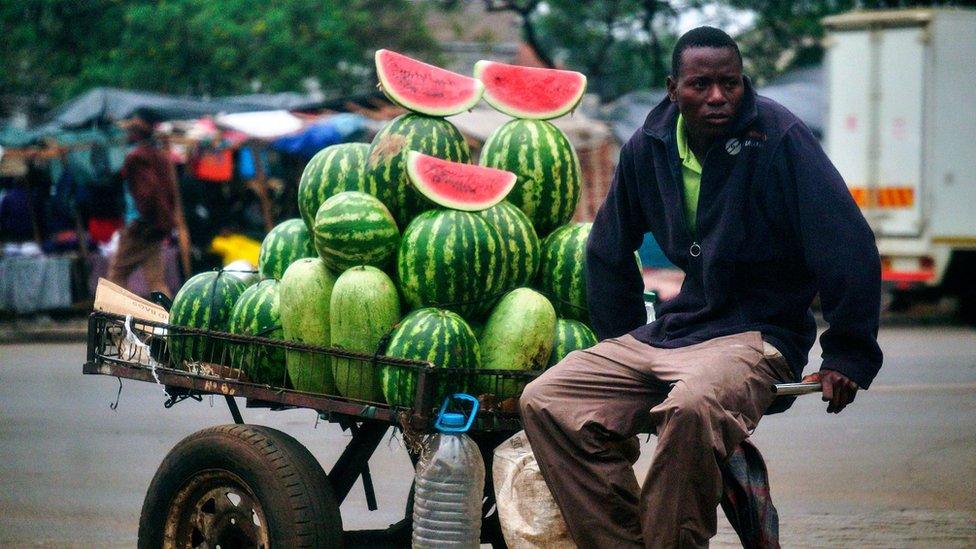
(884, 197)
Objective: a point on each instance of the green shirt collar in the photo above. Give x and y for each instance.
(688, 158)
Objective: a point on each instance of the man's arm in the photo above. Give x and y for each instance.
(614, 286)
(839, 247)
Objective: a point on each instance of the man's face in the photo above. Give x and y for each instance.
(708, 90)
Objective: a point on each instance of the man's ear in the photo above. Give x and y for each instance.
(672, 85)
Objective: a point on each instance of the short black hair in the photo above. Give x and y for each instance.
(701, 37)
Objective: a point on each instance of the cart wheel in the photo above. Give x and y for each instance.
(240, 486)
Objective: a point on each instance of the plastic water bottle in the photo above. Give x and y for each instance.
(450, 484)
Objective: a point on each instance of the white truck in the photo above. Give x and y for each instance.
(901, 129)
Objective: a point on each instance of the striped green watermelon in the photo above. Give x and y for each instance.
(287, 242)
(354, 228)
(571, 335)
(436, 336)
(363, 310)
(386, 164)
(562, 274)
(332, 170)
(452, 260)
(205, 301)
(521, 244)
(257, 313)
(517, 336)
(548, 170)
(304, 296)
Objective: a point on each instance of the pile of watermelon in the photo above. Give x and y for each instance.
(405, 248)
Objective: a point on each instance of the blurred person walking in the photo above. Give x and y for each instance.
(150, 180)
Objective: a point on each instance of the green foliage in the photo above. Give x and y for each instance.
(788, 35)
(216, 47)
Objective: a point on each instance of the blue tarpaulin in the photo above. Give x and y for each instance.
(313, 138)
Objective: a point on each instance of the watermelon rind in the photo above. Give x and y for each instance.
(286, 243)
(362, 311)
(304, 298)
(562, 270)
(432, 335)
(571, 335)
(451, 260)
(387, 159)
(545, 84)
(451, 83)
(205, 301)
(549, 176)
(354, 228)
(257, 313)
(517, 336)
(483, 187)
(334, 169)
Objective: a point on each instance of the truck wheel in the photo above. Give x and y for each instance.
(240, 486)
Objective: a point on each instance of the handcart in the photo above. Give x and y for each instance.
(245, 485)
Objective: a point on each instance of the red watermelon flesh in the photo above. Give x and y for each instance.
(458, 186)
(425, 88)
(530, 92)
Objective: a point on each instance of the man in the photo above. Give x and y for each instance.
(151, 183)
(742, 198)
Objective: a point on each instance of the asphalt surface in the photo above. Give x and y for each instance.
(897, 469)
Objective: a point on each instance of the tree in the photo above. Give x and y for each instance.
(200, 46)
(619, 44)
(788, 35)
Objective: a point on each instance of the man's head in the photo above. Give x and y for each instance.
(138, 129)
(706, 81)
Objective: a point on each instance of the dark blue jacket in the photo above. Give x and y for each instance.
(776, 226)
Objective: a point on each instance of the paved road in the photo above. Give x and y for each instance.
(898, 469)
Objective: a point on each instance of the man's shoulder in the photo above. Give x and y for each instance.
(775, 119)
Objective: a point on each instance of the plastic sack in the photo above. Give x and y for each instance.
(527, 511)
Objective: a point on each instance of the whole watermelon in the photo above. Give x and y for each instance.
(205, 301)
(363, 309)
(548, 170)
(304, 298)
(451, 260)
(287, 242)
(257, 313)
(521, 244)
(562, 273)
(571, 335)
(335, 169)
(434, 335)
(386, 164)
(354, 228)
(517, 336)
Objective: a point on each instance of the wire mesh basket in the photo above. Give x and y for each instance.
(287, 373)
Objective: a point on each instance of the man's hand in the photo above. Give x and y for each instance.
(838, 389)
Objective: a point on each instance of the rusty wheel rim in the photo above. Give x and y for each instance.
(216, 509)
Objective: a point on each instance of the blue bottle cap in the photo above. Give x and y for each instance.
(452, 420)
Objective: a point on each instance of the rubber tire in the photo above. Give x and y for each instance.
(287, 481)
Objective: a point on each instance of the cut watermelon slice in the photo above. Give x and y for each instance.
(530, 92)
(425, 88)
(458, 186)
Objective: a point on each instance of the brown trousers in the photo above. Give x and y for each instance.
(582, 415)
(139, 246)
